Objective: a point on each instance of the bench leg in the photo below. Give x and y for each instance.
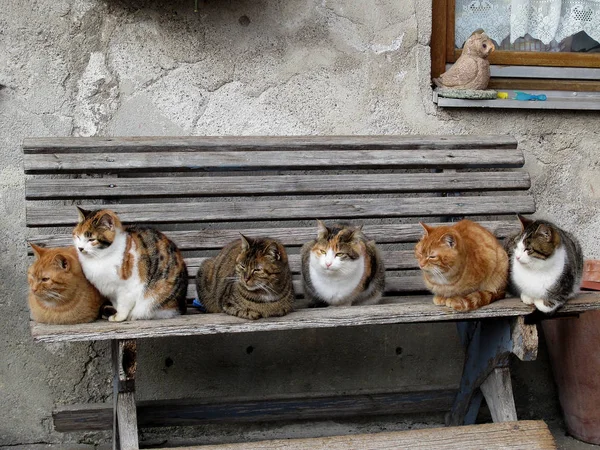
(488, 346)
(498, 393)
(124, 362)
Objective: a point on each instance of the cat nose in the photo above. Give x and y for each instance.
(80, 249)
(518, 257)
(328, 264)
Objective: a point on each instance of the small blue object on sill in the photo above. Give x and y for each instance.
(523, 96)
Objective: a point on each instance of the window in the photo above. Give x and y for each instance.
(542, 45)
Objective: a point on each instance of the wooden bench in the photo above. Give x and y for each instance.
(204, 191)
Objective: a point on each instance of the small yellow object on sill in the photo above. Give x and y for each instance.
(503, 95)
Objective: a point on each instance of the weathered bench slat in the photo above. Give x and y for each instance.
(104, 188)
(530, 435)
(164, 413)
(213, 239)
(393, 260)
(411, 309)
(264, 160)
(333, 208)
(398, 285)
(194, 143)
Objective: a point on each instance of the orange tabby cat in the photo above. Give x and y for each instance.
(463, 264)
(59, 293)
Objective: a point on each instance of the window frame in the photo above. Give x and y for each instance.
(443, 52)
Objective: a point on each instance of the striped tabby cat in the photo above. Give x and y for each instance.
(59, 293)
(463, 264)
(342, 267)
(138, 269)
(546, 264)
(249, 278)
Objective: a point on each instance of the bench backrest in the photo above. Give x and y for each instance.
(204, 191)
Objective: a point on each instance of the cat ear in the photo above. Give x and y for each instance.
(245, 243)
(449, 240)
(426, 227)
(273, 251)
(82, 214)
(545, 232)
(525, 222)
(107, 221)
(37, 250)
(322, 230)
(62, 262)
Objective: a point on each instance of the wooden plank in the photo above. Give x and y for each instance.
(165, 413)
(214, 239)
(265, 160)
(394, 286)
(439, 23)
(393, 260)
(120, 188)
(250, 143)
(124, 423)
(577, 103)
(411, 309)
(530, 435)
(549, 59)
(544, 85)
(554, 73)
(325, 208)
(498, 393)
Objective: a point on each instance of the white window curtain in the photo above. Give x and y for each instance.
(546, 20)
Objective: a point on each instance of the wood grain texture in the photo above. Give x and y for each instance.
(213, 239)
(530, 435)
(411, 309)
(325, 209)
(265, 160)
(106, 188)
(245, 143)
(498, 393)
(164, 413)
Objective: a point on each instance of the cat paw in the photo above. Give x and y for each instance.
(458, 304)
(117, 318)
(546, 306)
(440, 301)
(248, 314)
(527, 299)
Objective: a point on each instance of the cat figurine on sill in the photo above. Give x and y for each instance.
(341, 267)
(546, 264)
(59, 293)
(249, 278)
(138, 269)
(463, 264)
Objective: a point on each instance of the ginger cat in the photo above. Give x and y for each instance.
(463, 264)
(59, 293)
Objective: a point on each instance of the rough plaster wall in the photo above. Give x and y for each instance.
(112, 67)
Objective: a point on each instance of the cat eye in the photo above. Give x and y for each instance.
(322, 252)
(340, 255)
(45, 279)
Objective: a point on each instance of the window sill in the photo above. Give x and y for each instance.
(589, 101)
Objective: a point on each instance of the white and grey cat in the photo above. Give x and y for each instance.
(546, 264)
(342, 267)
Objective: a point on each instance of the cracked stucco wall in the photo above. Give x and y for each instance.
(276, 67)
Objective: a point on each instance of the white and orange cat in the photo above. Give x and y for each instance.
(138, 269)
(59, 293)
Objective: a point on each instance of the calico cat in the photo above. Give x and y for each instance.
(59, 293)
(249, 278)
(546, 264)
(463, 264)
(342, 267)
(138, 269)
